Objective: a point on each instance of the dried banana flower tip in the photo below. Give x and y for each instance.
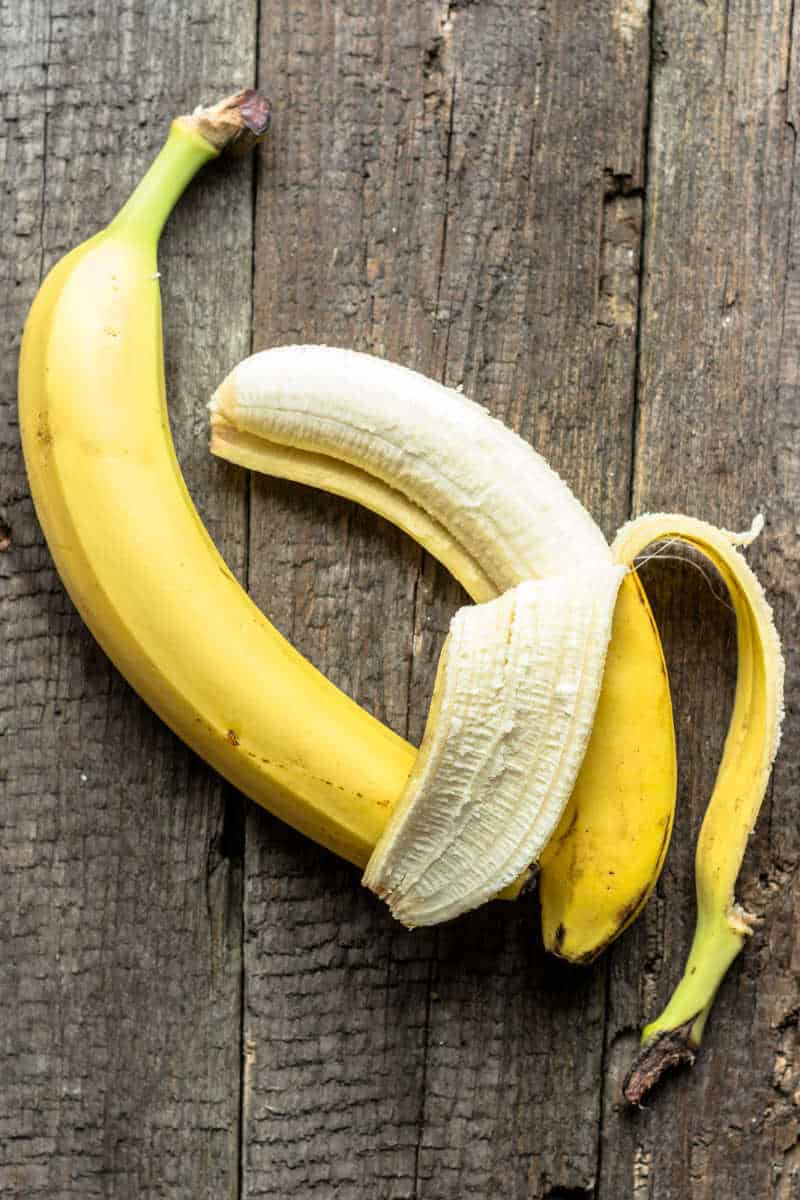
(234, 124)
(256, 111)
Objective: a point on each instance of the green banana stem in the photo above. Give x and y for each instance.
(176, 164)
(715, 945)
(675, 1036)
(232, 125)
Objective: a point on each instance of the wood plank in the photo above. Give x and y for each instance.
(457, 187)
(454, 187)
(25, 1143)
(352, 191)
(539, 298)
(717, 437)
(121, 897)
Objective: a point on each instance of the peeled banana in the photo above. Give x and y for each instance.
(550, 732)
(380, 434)
(484, 503)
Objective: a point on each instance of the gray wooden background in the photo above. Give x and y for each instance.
(585, 213)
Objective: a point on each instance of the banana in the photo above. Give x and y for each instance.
(722, 925)
(380, 435)
(496, 497)
(485, 504)
(133, 553)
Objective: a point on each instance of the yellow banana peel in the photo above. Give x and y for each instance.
(750, 748)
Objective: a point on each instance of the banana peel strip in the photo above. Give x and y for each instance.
(749, 752)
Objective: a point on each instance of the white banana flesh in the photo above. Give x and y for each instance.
(425, 442)
(520, 677)
(514, 705)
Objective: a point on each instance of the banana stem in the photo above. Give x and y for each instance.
(233, 125)
(750, 748)
(675, 1036)
(176, 164)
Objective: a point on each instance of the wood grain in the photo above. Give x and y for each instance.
(433, 193)
(586, 215)
(352, 190)
(538, 299)
(121, 893)
(717, 437)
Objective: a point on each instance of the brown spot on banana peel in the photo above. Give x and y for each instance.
(585, 960)
(233, 738)
(672, 1048)
(43, 434)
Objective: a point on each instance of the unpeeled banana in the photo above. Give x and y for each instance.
(531, 692)
(134, 555)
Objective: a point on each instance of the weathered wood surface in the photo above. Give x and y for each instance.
(717, 434)
(583, 214)
(120, 976)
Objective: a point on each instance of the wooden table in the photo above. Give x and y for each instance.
(585, 213)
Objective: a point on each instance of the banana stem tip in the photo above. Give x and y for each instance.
(234, 124)
(672, 1048)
